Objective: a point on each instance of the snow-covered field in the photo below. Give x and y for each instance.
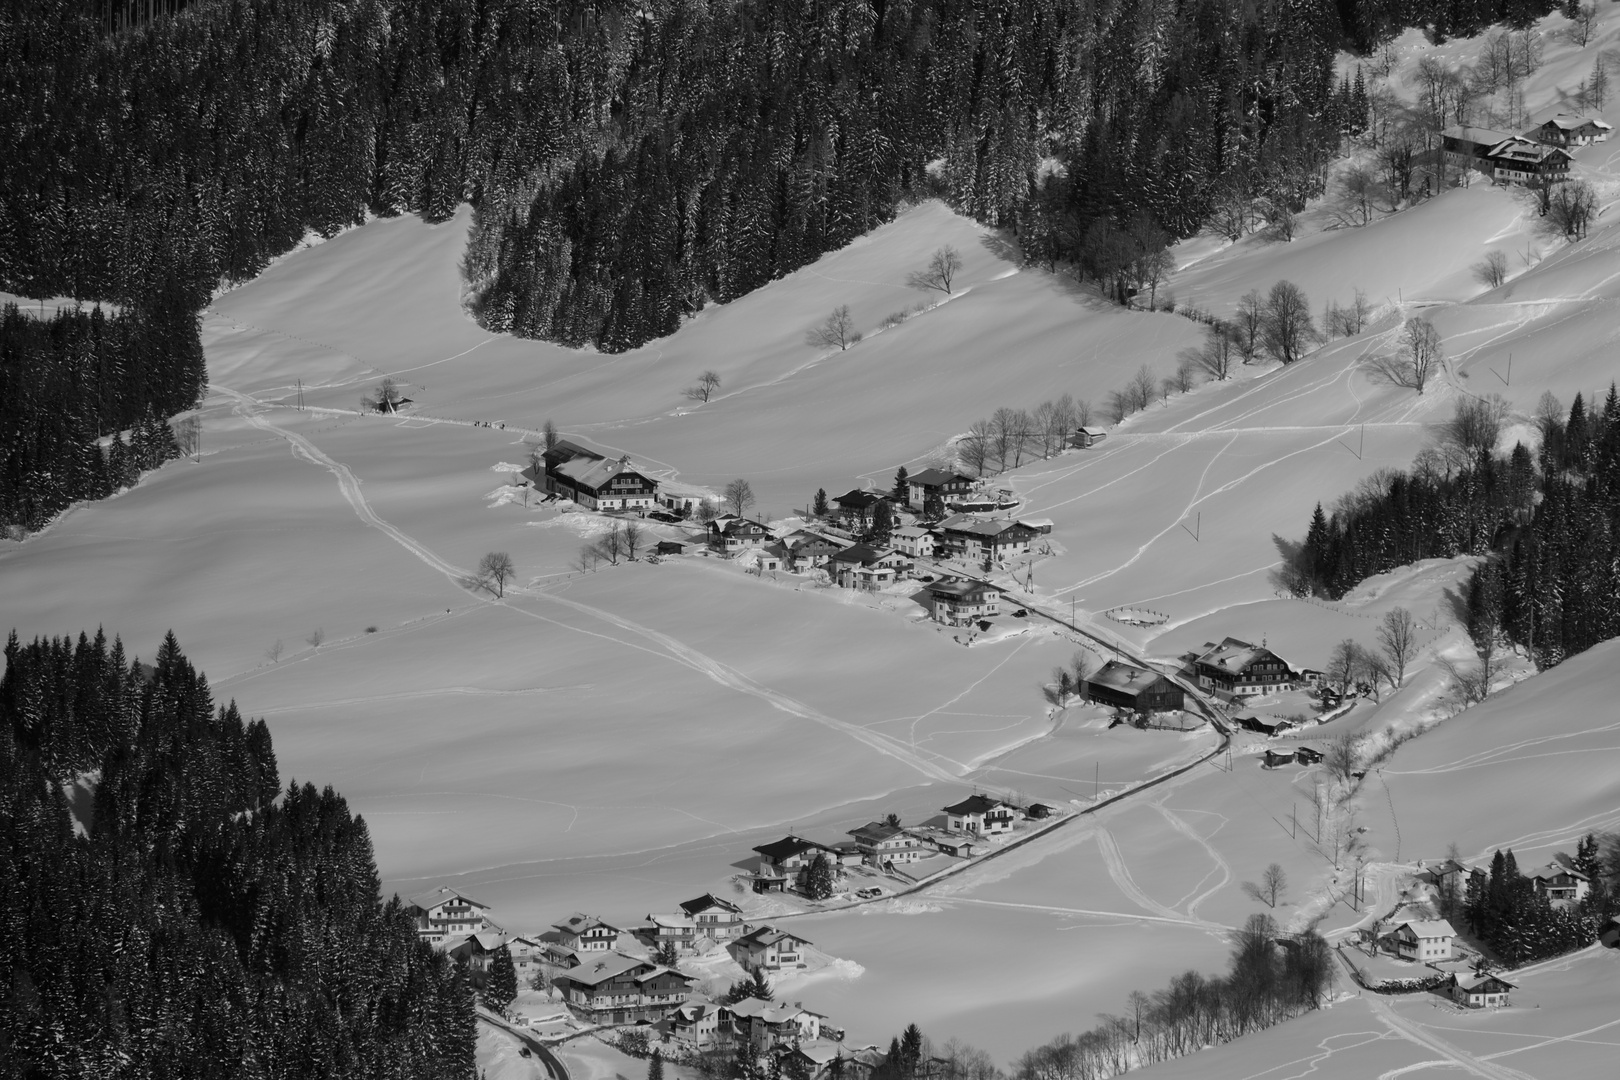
(618, 741)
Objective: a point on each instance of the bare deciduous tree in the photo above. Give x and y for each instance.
(1571, 206)
(1082, 412)
(940, 272)
(1475, 425)
(1186, 376)
(1420, 355)
(837, 332)
(1288, 329)
(973, 448)
(1397, 636)
(1141, 387)
(1343, 757)
(707, 384)
(1218, 353)
(739, 496)
(1582, 23)
(634, 537)
(495, 569)
(1270, 887)
(188, 436)
(273, 653)
(587, 558)
(1491, 271)
(549, 434)
(1343, 665)
(316, 637)
(1249, 325)
(1284, 224)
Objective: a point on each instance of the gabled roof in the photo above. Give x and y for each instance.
(1235, 655)
(579, 923)
(429, 900)
(1483, 981)
(1429, 927)
(959, 588)
(769, 935)
(856, 499)
(937, 478)
(707, 902)
(594, 474)
(1481, 136)
(788, 847)
(1566, 121)
(671, 922)
(876, 831)
(733, 526)
(864, 554)
(1521, 150)
(771, 1012)
(599, 968)
(1126, 677)
(975, 804)
(993, 529)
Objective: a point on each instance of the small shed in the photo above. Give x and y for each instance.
(1038, 811)
(1307, 755)
(1276, 757)
(1086, 437)
(669, 547)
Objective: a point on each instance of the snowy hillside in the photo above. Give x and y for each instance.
(617, 741)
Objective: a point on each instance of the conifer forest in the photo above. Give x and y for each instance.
(181, 915)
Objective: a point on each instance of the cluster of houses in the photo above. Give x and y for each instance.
(888, 846)
(1539, 155)
(938, 521)
(602, 985)
(1433, 941)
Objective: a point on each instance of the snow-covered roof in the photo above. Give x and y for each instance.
(1483, 981)
(1517, 149)
(1125, 676)
(443, 895)
(594, 474)
(1429, 928)
(936, 478)
(1481, 136)
(1568, 121)
(601, 967)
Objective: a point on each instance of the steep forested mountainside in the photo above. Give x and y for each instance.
(629, 162)
(177, 918)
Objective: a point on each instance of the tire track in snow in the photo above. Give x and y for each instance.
(669, 647)
(1115, 861)
(1222, 867)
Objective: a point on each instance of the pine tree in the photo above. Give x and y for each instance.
(902, 491)
(818, 882)
(500, 989)
(655, 1065)
(882, 523)
(819, 507)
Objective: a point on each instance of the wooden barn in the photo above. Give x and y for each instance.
(1139, 689)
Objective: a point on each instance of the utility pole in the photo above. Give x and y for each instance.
(300, 395)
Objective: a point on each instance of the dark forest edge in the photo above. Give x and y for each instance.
(1548, 527)
(170, 911)
(626, 163)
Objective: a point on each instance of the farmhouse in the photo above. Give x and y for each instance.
(695, 1023)
(808, 550)
(729, 535)
(583, 933)
(913, 541)
(977, 541)
(444, 913)
(1480, 991)
(931, 484)
(475, 950)
(1470, 147)
(527, 955)
(788, 860)
(714, 918)
(595, 482)
(1126, 686)
(958, 602)
(768, 949)
(1238, 669)
(1423, 940)
(612, 988)
(1560, 882)
(765, 1025)
(677, 931)
(1520, 161)
(884, 845)
(981, 815)
(1568, 129)
(862, 566)
(854, 508)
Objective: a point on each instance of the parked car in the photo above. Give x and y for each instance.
(870, 894)
(662, 515)
(1020, 613)
(525, 1051)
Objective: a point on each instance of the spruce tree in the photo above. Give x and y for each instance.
(818, 881)
(818, 508)
(902, 491)
(655, 1065)
(500, 989)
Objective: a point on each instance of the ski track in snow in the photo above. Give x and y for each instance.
(668, 647)
(1115, 861)
(1222, 867)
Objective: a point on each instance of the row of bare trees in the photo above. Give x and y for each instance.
(1263, 985)
(1352, 664)
(1010, 435)
(622, 541)
(837, 330)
